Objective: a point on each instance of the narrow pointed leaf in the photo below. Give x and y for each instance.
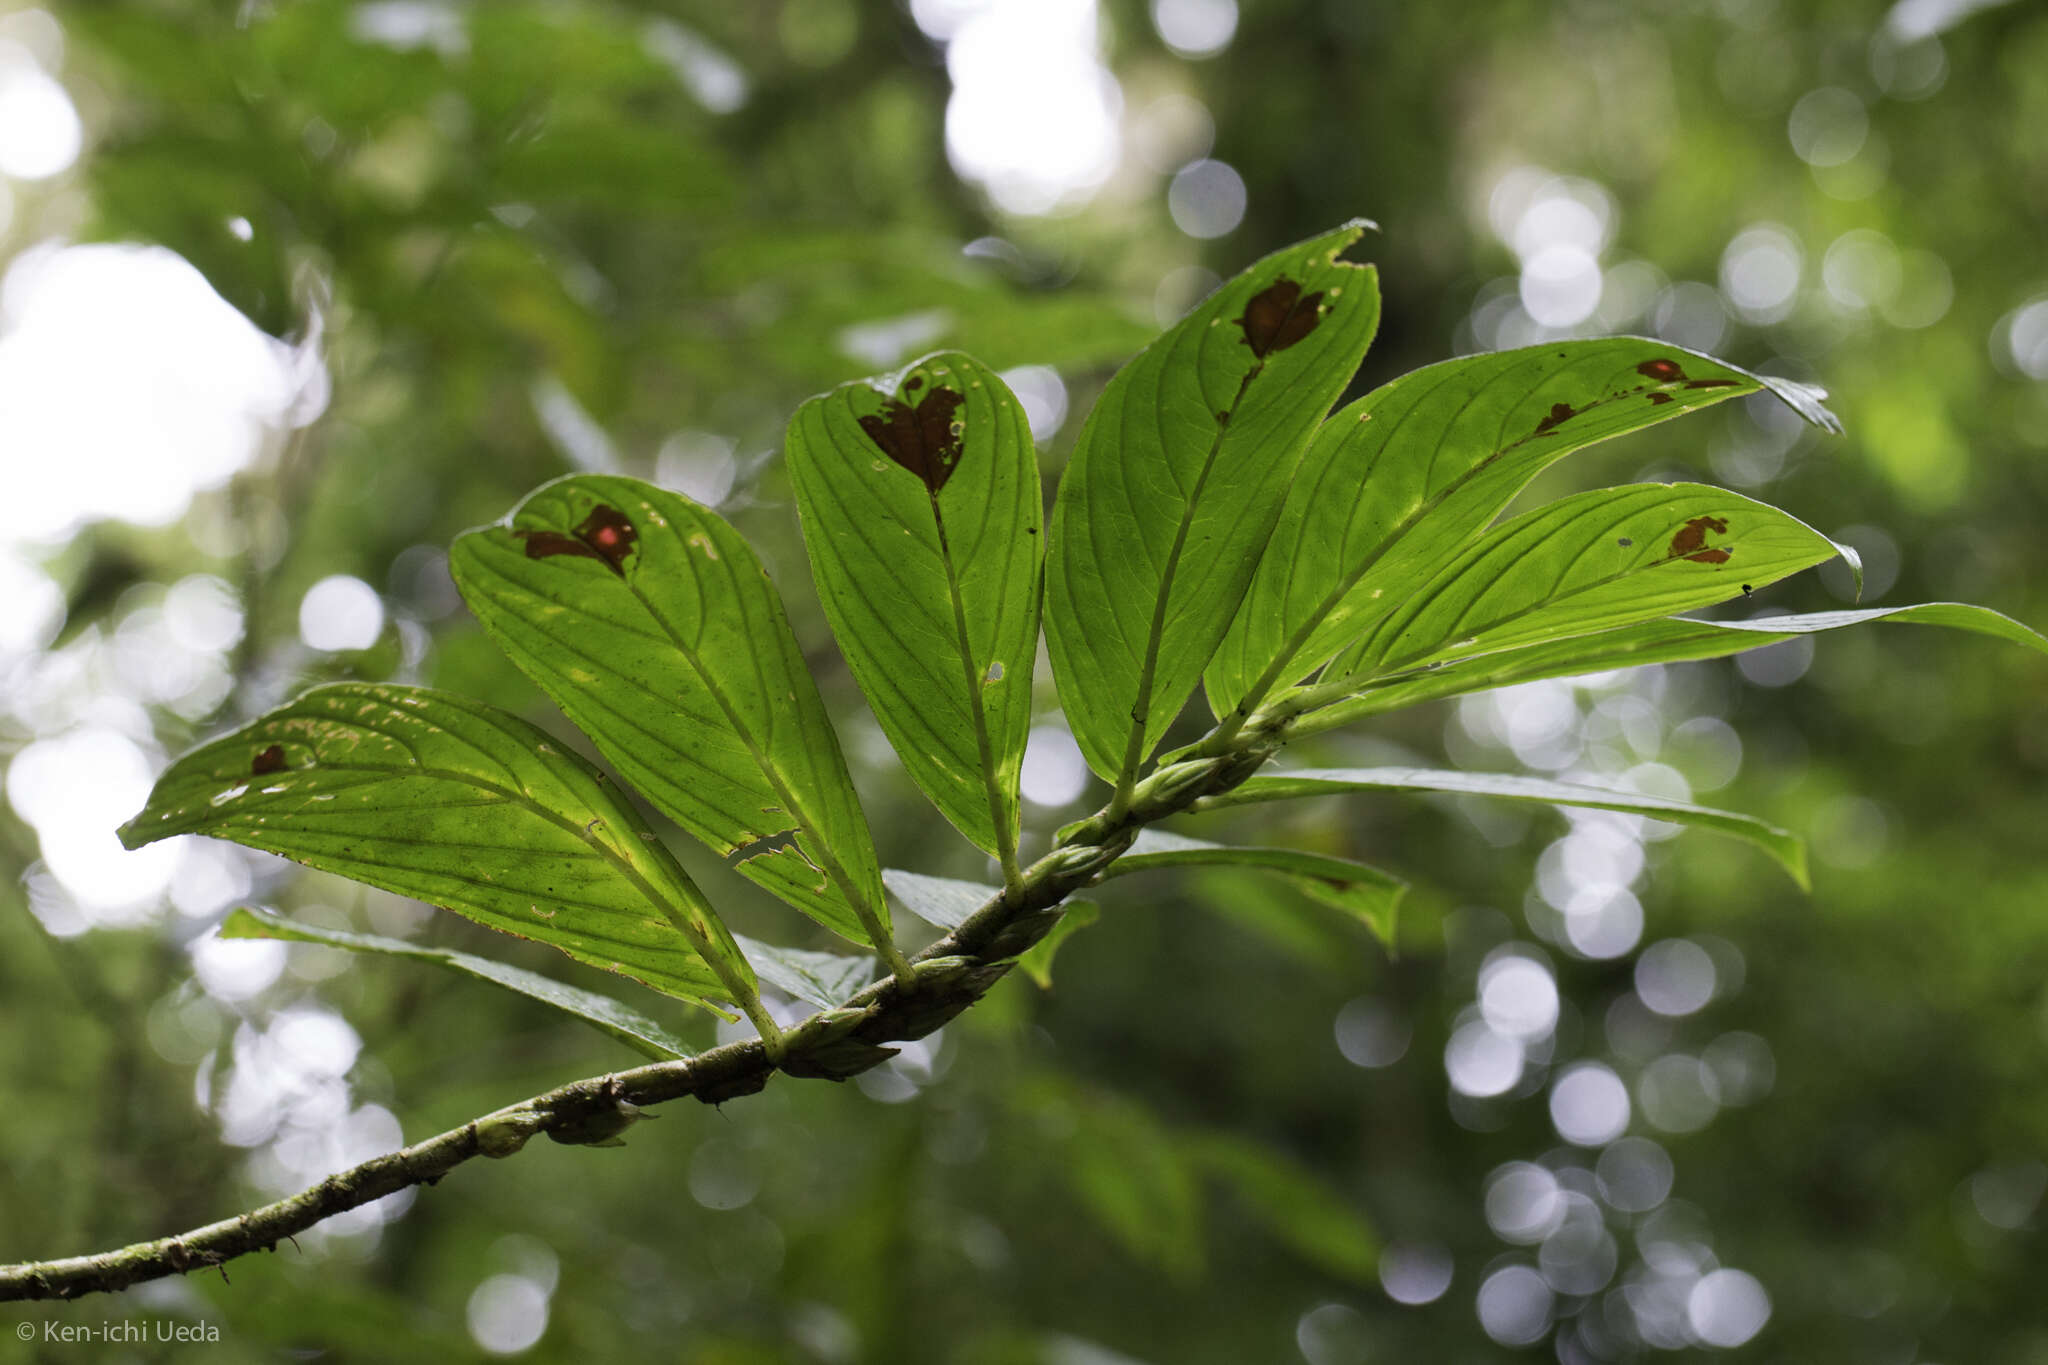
(601, 1012)
(1782, 845)
(1300, 1208)
(1365, 893)
(943, 902)
(1396, 482)
(1668, 641)
(921, 512)
(1595, 561)
(1036, 961)
(447, 800)
(653, 626)
(1176, 480)
(827, 980)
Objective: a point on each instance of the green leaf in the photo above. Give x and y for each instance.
(1606, 558)
(1128, 1169)
(1176, 480)
(1312, 1218)
(601, 1012)
(1396, 482)
(438, 797)
(939, 901)
(1667, 641)
(827, 980)
(1365, 893)
(1783, 846)
(921, 511)
(1037, 960)
(651, 623)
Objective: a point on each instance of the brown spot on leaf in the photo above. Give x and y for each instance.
(1691, 539)
(922, 438)
(607, 531)
(913, 384)
(1661, 370)
(541, 544)
(1710, 383)
(1278, 316)
(1658, 397)
(271, 760)
(1559, 414)
(605, 535)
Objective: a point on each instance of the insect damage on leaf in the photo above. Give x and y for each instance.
(1278, 316)
(923, 438)
(271, 760)
(605, 535)
(1691, 539)
(1560, 413)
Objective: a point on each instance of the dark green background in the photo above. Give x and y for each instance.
(1037, 1201)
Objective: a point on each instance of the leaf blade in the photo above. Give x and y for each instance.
(1364, 892)
(1036, 961)
(1301, 1208)
(827, 980)
(611, 1017)
(1176, 479)
(942, 902)
(1406, 475)
(1598, 560)
(1673, 640)
(407, 788)
(1784, 847)
(651, 623)
(920, 509)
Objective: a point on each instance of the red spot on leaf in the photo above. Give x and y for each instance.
(921, 438)
(607, 531)
(1661, 370)
(1559, 414)
(1658, 397)
(1278, 316)
(1691, 540)
(271, 760)
(605, 535)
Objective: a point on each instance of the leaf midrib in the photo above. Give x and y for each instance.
(1141, 706)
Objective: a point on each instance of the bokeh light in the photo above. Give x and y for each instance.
(1589, 1104)
(1195, 28)
(129, 385)
(40, 134)
(1034, 115)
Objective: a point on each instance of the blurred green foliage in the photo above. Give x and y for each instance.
(1143, 1162)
